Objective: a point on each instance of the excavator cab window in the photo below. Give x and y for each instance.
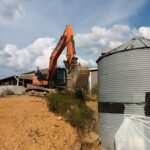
(60, 77)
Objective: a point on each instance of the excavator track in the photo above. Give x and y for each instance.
(39, 91)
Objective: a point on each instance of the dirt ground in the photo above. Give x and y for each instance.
(26, 124)
(94, 106)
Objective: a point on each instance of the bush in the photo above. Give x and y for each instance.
(76, 112)
(60, 102)
(7, 92)
(80, 116)
(80, 95)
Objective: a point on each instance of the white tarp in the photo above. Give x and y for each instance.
(133, 134)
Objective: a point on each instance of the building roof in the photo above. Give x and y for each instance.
(135, 43)
(7, 78)
(27, 75)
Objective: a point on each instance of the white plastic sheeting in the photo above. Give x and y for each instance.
(133, 134)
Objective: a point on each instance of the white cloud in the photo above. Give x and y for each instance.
(101, 39)
(10, 11)
(87, 62)
(28, 57)
(145, 31)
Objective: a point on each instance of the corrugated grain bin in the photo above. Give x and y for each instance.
(124, 86)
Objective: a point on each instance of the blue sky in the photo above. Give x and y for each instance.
(30, 29)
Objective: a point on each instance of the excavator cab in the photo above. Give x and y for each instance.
(60, 77)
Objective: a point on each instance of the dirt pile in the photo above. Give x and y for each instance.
(26, 124)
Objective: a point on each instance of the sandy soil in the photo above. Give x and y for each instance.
(26, 124)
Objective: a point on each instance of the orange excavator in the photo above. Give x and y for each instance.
(57, 77)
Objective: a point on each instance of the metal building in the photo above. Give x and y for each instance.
(124, 86)
(22, 79)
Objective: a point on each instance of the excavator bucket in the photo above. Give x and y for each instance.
(68, 67)
(79, 76)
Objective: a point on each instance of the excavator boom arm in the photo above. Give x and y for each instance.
(65, 40)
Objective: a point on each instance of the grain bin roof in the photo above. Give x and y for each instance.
(135, 43)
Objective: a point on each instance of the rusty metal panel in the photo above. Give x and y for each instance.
(93, 78)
